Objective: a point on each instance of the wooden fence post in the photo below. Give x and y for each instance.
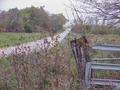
(80, 51)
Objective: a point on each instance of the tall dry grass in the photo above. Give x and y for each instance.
(49, 69)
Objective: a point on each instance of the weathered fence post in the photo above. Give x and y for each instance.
(80, 51)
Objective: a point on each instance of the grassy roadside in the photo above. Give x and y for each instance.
(9, 39)
(108, 38)
(57, 65)
(99, 38)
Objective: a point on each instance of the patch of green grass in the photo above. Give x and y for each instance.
(7, 76)
(9, 39)
(109, 38)
(98, 38)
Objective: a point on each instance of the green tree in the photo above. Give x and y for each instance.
(58, 20)
(31, 19)
(35, 17)
(14, 21)
(28, 28)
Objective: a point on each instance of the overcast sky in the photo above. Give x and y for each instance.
(52, 6)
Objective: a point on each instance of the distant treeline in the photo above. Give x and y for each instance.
(31, 19)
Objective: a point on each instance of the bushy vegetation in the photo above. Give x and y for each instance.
(28, 28)
(31, 19)
(49, 69)
(96, 29)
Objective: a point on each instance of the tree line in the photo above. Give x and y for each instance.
(31, 19)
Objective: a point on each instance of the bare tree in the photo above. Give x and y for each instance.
(108, 10)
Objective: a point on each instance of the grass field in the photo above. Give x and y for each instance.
(108, 38)
(98, 38)
(9, 39)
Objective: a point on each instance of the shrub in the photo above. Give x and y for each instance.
(28, 28)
